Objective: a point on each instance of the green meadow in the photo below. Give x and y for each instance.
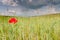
(30, 28)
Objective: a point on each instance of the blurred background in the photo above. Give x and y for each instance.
(29, 7)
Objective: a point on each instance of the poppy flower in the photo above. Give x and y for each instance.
(13, 20)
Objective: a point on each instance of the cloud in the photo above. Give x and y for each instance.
(9, 2)
(27, 12)
(32, 4)
(28, 3)
(42, 11)
(21, 11)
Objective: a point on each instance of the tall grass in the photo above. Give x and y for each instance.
(31, 28)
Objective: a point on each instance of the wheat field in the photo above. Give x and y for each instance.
(30, 28)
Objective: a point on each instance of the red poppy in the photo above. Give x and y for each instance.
(13, 20)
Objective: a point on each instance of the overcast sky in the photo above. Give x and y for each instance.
(29, 7)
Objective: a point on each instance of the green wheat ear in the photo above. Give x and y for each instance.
(31, 28)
